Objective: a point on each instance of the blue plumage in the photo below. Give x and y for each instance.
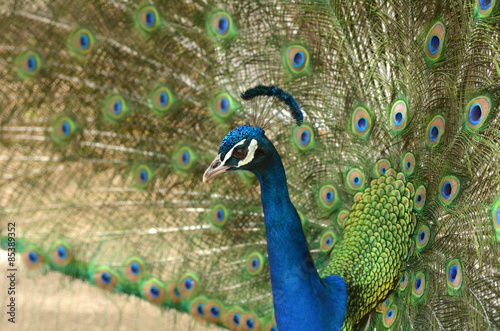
(300, 295)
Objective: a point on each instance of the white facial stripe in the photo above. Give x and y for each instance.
(251, 151)
(230, 153)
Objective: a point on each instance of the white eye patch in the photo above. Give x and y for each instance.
(250, 155)
(230, 153)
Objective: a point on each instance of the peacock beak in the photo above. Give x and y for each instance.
(216, 168)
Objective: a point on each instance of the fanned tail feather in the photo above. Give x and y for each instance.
(112, 110)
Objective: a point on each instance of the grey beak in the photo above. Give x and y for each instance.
(215, 169)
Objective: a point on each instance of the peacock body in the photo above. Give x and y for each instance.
(380, 210)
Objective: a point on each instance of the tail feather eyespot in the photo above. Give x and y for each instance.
(408, 164)
(222, 25)
(134, 269)
(154, 291)
(327, 241)
(382, 166)
(361, 122)
(105, 278)
(297, 59)
(398, 115)
(32, 258)
(148, 19)
(62, 253)
(255, 263)
(477, 111)
(213, 311)
(188, 285)
(328, 197)
(485, 7)
(82, 41)
(449, 189)
(435, 131)
(184, 158)
(303, 137)
(115, 108)
(29, 64)
(454, 276)
(434, 41)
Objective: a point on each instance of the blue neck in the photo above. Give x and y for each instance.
(302, 301)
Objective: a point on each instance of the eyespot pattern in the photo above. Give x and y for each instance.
(62, 254)
(173, 292)
(271, 326)
(223, 106)
(105, 279)
(154, 291)
(148, 19)
(327, 241)
(382, 166)
(115, 108)
(477, 111)
(143, 176)
(188, 285)
(361, 122)
(233, 319)
(134, 269)
(398, 115)
(255, 263)
(404, 281)
(222, 25)
(297, 59)
(63, 129)
(82, 41)
(423, 237)
(328, 197)
(435, 131)
(419, 199)
(418, 288)
(197, 308)
(355, 180)
(408, 165)
(250, 322)
(390, 315)
(454, 277)
(32, 258)
(29, 64)
(434, 41)
(161, 99)
(213, 311)
(341, 217)
(219, 215)
(448, 189)
(303, 137)
(185, 158)
(485, 7)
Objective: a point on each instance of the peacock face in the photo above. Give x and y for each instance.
(243, 148)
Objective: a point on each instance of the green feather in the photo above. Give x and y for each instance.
(112, 110)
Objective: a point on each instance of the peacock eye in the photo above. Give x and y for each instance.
(240, 153)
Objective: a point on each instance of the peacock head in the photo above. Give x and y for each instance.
(244, 148)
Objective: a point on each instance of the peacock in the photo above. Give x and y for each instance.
(254, 164)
